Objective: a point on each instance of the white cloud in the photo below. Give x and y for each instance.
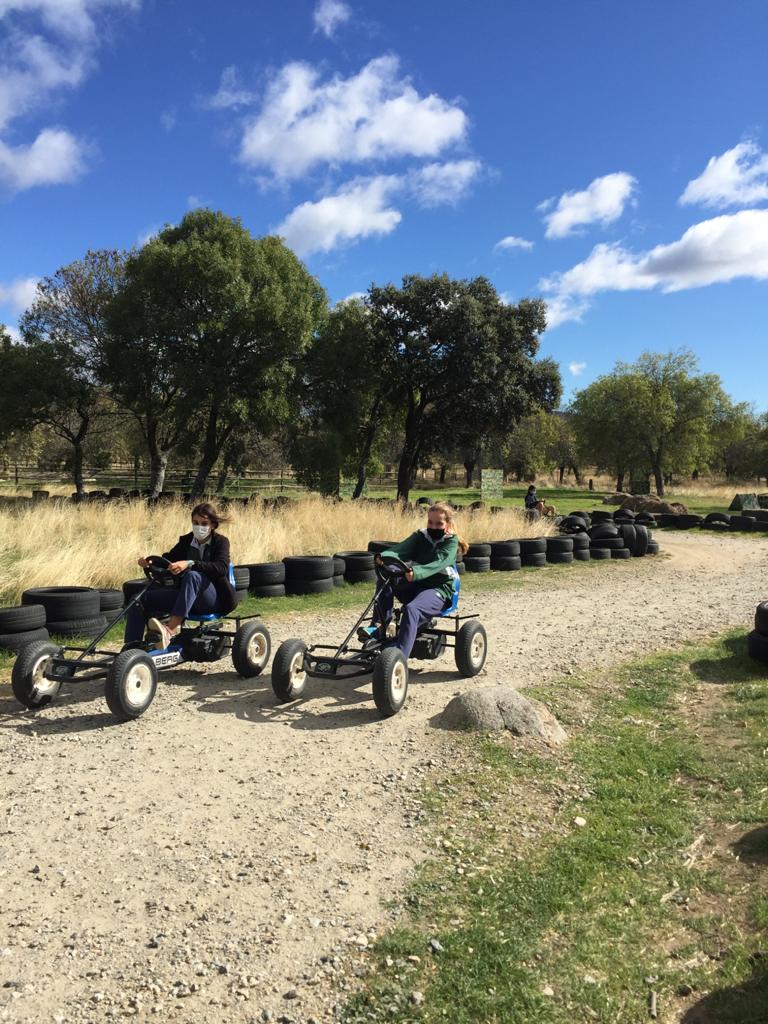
(601, 202)
(47, 46)
(738, 177)
(576, 369)
(329, 14)
(358, 210)
(712, 252)
(230, 94)
(373, 115)
(512, 242)
(168, 119)
(148, 234)
(438, 183)
(352, 297)
(18, 295)
(54, 158)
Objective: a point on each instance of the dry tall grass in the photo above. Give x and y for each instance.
(97, 545)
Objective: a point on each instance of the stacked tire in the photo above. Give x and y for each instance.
(69, 611)
(266, 579)
(581, 551)
(505, 555)
(242, 581)
(604, 541)
(308, 574)
(21, 625)
(110, 603)
(533, 551)
(559, 550)
(757, 640)
(356, 566)
(478, 558)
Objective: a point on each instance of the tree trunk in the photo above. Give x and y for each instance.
(365, 452)
(409, 455)
(443, 471)
(158, 460)
(576, 474)
(469, 470)
(77, 467)
(561, 470)
(658, 478)
(211, 448)
(620, 481)
(221, 479)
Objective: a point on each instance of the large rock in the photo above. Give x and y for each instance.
(496, 708)
(652, 503)
(744, 501)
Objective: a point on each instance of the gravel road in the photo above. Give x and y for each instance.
(222, 857)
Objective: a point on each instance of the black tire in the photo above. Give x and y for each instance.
(390, 681)
(761, 619)
(717, 517)
(251, 647)
(535, 558)
(299, 587)
(580, 542)
(757, 646)
(667, 519)
(132, 587)
(621, 553)
(113, 616)
(610, 543)
(289, 680)
(131, 684)
(307, 568)
(505, 549)
(63, 603)
(425, 501)
(480, 550)
(477, 563)
(265, 574)
(110, 600)
(27, 682)
(598, 554)
(368, 576)
(88, 628)
(377, 546)
(582, 555)
(653, 547)
(560, 557)
(601, 515)
(242, 577)
(22, 618)
(641, 540)
(689, 522)
(338, 580)
(354, 561)
(240, 596)
(471, 648)
(339, 566)
(506, 563)
(741, 524)
(16, 642)
(603, 531)
(533, 546)
(559, 544)
(461, 568)
(268, 590)
(628, 533)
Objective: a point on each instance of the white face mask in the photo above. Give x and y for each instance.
(200, 532)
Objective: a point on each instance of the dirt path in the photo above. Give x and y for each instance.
(219, 859)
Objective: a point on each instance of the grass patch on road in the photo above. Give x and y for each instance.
(657, 893)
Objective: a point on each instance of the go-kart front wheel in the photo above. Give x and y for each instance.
(131, 684)
(251, 647)
(28, 682)
(289, 678)
(471, 648)
(390, 681)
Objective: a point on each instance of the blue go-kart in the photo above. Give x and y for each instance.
(295, 662)
(130, 675)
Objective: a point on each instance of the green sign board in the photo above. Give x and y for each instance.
(491, 485)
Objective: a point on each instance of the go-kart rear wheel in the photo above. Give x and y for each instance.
(471, 648)
(289, 679)
(390, 681)
(28, 682)
(131, 684)
(251, 648)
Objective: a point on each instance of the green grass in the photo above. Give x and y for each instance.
(542, 921)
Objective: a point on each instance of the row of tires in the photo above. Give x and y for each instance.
(757, 640)
(61, 611)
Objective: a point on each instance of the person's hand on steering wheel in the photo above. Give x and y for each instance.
(144, 563)
(409, 576)
(177, 568)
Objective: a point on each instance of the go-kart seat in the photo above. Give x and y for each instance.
(213, 616)
(454, 600)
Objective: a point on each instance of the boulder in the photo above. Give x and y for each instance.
(652, 503)
(743, 501)
(616, 498)
(495, 708)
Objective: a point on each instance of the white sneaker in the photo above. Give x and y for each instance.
(166, 635)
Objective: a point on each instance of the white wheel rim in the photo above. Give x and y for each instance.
(399, 679)
(257, 648)
(477, 650)
(43, 687)
(296, 672)
(138, 684)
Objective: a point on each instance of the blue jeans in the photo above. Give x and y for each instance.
(196, 593)
(420, 602)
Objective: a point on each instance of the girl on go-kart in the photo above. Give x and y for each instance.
(201, 560)
(429, 585)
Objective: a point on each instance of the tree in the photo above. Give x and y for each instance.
(605, 428)
(206, 334)
(458, 359)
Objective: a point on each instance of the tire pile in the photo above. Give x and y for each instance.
(757, 640)
(751, 521)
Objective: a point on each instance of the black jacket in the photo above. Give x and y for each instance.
(215, 566)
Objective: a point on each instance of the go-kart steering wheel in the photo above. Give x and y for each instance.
(392, 569)
(159, 570)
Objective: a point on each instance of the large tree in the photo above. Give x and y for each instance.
(605, 427)
(206, 335)
(458, 360)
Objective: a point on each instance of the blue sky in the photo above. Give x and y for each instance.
(610, 156)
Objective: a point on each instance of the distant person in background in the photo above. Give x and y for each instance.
(534, 505)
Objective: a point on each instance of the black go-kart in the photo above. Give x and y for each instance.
(294, 661)
(130, 675)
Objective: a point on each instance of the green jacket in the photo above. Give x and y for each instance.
(431, 559)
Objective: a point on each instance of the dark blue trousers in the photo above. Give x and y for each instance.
(196, 593)
(420, 602)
